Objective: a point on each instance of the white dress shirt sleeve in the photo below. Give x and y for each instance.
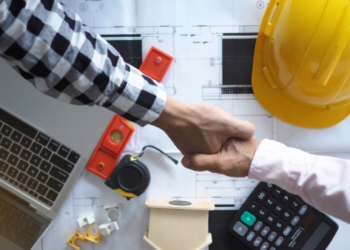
(321, 181)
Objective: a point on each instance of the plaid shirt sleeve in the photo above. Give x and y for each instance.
(48, 44)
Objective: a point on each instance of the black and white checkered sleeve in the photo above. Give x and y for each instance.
(49, 46)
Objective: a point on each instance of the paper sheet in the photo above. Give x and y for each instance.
(193, 31)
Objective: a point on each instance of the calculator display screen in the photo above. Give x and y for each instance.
(317, 236)
(308, 220)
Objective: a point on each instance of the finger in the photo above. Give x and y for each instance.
(241, 129)
(201, 162)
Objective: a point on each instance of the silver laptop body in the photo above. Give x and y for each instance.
(65, 138)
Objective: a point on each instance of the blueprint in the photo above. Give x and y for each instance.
(200, 34)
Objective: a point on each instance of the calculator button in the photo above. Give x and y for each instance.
(272, 236)
(257, 241)
(270, 202)
(265, 231)
(261, 196)
(240, 228)
(295, 220)
(287, 231)
(264, 246)
(286, 198)
(294, 205)
(258, 226)
(248, 218)
(287, 215)
(303, 210)
(268, 187)
(279, 241)
(277, 192)
(252, 207)
(250, 236)
(262, 213)
(279, 225)
(278, 209)
(271, 219)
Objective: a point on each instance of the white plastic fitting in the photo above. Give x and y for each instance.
(112, 207)
(86, 219)
(108, 227)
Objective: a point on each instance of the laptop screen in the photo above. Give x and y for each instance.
(20, 226)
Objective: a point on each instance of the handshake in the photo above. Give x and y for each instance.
(209, 138)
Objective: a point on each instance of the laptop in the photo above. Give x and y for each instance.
(45, 145)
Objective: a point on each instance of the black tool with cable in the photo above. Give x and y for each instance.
(130, 177)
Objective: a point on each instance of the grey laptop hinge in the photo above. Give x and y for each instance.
(33, 207)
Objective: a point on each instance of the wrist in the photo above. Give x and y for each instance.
(254, 144)
(174, 114)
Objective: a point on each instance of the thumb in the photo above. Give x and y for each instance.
(241, 129)
(201, 162)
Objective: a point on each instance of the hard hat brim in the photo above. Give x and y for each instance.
(291, 112)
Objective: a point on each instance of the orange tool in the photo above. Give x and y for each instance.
(156, 64)
(110, 147)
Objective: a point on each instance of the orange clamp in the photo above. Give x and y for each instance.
(156, 64)
(109, 149)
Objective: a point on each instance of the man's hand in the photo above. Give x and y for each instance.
(200, 128)
(234, 158)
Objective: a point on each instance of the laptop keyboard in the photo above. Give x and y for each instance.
(32, 161)
(18, 226)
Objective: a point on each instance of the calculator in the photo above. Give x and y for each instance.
(272, 219)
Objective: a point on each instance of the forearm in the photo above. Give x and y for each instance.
(50, 47)
(321, 181)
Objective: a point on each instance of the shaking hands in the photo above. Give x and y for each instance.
(202, 133)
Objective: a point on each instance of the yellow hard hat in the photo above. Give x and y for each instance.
(302, 62)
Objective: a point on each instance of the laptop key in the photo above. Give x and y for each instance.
(6, 130)
(3, 154)
(45, 166)
(32, 184)
(3, 176)
(42, 177)
(15, 149)
(42, 189)
(25, 154)
(12, 172)
(13, 182)
(33, 193)
(22, 178)
(13, 160)
(16, 136)
(3, 166)
(35, 160)
(25, 142)
(51, 195)
(46, 154)
(32, 171)
(45, 201)
(35, 148)
(53, 145)
(24, 188)
(42, 139)
(73, 157)
(55, 185)
(22, 165)
(5, 143)
(62, 163)
(58, 174)
(63, 151)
